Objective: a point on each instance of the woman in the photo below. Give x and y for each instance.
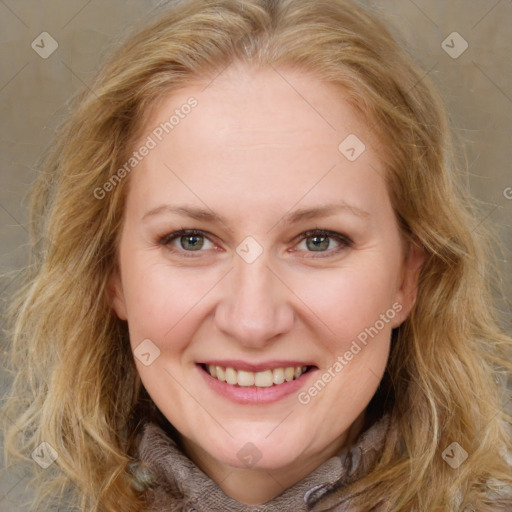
(180, 346)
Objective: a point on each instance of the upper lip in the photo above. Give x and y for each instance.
(238, 364)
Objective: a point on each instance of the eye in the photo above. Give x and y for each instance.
(320, 241)
(188, 240)
(316, 240)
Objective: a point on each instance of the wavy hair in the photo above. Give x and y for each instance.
(76, 386)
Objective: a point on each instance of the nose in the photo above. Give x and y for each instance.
(254, 307)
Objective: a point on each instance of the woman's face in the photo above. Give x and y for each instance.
(261, 158)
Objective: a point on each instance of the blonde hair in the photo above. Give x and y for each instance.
(76, 386)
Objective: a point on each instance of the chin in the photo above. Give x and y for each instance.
(259, 453)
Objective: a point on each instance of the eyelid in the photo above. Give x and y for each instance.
(345, 240)
(165, 239)
(175, 235)
(322, 232)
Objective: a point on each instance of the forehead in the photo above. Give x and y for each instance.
(252, 105)
(258, 132)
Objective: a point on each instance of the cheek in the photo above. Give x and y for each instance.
(161, 300)
(164, 303)
(355, 307)
(349, 300)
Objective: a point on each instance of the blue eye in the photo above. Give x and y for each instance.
(316, 241)
(190, 240)
(319, 241)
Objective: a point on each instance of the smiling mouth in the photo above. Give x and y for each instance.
(262, 379)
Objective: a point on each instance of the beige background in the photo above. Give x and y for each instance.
(477, 88)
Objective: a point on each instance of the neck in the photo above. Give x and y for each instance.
(255, 486)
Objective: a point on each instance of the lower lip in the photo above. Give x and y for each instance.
(253, 394)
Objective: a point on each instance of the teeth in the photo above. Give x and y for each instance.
(244, 378)
(289, 373)
(231, 376)
(278, 375)
(221, 374)
(263, 379)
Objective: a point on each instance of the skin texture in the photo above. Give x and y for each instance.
(252, 151)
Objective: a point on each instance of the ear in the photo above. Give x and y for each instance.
(116, 294)
(408, 287)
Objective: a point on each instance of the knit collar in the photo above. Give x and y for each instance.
(179, 485)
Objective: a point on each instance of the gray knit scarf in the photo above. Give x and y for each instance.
(180, 486)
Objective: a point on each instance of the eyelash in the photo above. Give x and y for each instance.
(344, 240)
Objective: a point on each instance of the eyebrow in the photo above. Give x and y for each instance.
(291, 218)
